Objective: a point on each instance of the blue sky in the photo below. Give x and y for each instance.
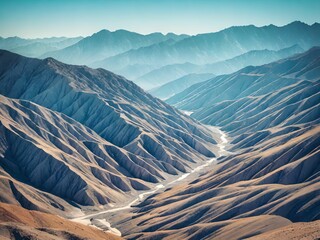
(46, 18)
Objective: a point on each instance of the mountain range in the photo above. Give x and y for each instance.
(232, 151)
(214, 47)
(165, 74)
(271, 177)
(155, 59)
(176, 86)
(36, 47)
(97, 137)
(105, 44)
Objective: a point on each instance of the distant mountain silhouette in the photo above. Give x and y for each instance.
(106, 43)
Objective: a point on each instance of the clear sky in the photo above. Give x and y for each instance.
(46, 18)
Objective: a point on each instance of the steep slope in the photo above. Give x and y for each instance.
(176, 86)
(274, 119)
(54, 154)
(212, 47)
(105, 44)
(19, 223)
(124, 140)
(168, 73)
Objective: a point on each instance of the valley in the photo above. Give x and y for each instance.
(99, 219)
(128, 135)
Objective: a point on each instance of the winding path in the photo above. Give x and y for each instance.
(106, 226)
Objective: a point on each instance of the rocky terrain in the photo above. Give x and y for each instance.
(274, 166)
(233, 156)
(89, 137)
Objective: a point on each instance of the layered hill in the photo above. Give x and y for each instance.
(36, 47)
(163, 75)
(272, 112)
(75, 134)
(176, 86)
(168, 73)
(274, 78)
(105, 44)
(213, 47)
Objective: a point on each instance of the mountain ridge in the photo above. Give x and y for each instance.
(271, 113)
(97, 128)
(212, 47)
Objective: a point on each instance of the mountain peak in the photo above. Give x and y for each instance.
(297, 24)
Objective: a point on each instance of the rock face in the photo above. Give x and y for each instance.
(86, 136)
(272, 113)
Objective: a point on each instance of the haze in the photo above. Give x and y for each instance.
(34, 18)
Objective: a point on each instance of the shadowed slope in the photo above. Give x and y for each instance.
(58, 155)
(116, 138)
(231, 229)
(274, 168)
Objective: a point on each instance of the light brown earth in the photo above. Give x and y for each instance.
(19, 223)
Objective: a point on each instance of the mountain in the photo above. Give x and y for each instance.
(135, 70)
(271, 113)
(19, 223)
(168, 73)
(106, 43)
(251, 58)
(13, 42)
(163, 75)
(212, 47)
(176, 86)
(72, 134)
(36, 47)
(251, 81)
